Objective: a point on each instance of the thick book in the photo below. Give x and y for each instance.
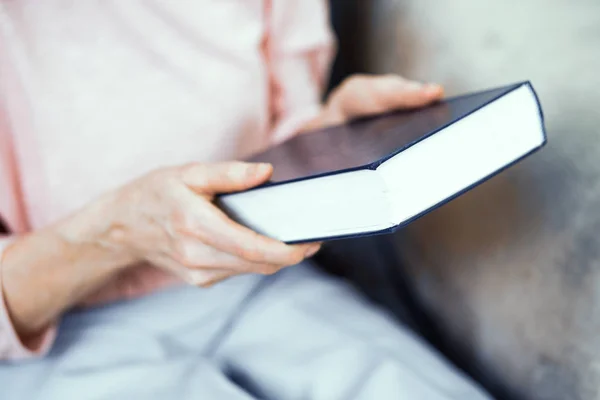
(377, 174)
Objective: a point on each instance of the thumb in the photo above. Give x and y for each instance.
(225, 177)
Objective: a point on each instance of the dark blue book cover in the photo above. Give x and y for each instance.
(368, 142)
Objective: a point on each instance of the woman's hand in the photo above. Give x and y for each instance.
(363, 95)
(167, 218)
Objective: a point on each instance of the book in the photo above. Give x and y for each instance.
(377, 174)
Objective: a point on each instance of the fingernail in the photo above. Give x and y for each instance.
(312, 250)
(432, 88)
(258, 169)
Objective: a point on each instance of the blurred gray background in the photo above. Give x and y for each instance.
(508, 275)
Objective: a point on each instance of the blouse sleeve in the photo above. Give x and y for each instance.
(12, 347)
(300, 48)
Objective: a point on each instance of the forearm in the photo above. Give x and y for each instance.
(46, 272)
(166, 217)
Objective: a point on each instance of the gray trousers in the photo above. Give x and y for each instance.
(299, 334)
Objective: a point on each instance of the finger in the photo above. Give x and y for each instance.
(225, 177)
(364, 96)
(192, 253)
(376, 95)
(208, 278)
(213, 227)
(245, 243)
(202, 278)
(392, 91)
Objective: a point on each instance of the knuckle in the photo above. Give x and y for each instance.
(392, 77)
(251, 254)
(192, 168)
(187, 167)
(193, 174)
(267, 269)
(205, 283)
(201, 278)
(158, 177)
(179, 219)
(296, 257)
(189, 224)
(185, 254)
(186, 224)
(209, 280)
(354, 81)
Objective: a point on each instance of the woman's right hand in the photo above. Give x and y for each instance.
(168, 218)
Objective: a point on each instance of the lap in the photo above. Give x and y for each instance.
(151, 347)
(298, 334)
(310, 335)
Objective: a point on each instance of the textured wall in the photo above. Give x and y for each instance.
(513, 268)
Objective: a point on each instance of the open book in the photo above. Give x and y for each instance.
(377, 174)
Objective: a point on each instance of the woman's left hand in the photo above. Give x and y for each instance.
(363, 95)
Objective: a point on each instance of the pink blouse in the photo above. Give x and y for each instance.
(96, 93)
